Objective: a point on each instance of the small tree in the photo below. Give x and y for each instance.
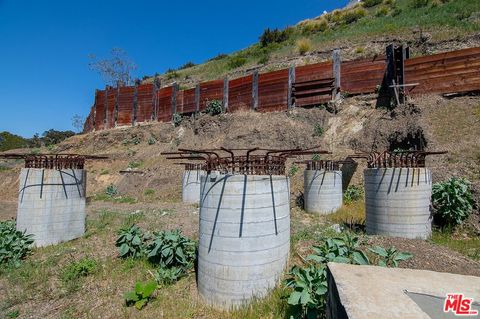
(114, 70)
(77, 123)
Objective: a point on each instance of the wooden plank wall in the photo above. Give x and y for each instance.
(164, 96)
(211, 90)
(240, 93)
(317, 71)
(362, 76)
(99, 110)
(125, 105)
(111, 100)
(144, 102)
(187, 102)
(88, 125)
(449, 72)
(273, 91)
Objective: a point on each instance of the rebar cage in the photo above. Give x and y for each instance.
(393, 159)
(53, 161)
(253, 161)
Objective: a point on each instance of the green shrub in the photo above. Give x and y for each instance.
(352, 194)
(131, 242)
(176, 119)
(187, 65)
(219, 56)
(135, 140)
(452, 200)
(135, 164)
(264, 58)
(273, 36)
(381, 12)
(318, 130)
(293, 170)
(171, 249)
(353, 15)
(141, 295)
(236, 62)
(308, 290)
(418, 3)
(171, 74)
(307, 286)
(14, 245)
(336, 16)
(149, 192)
(151, 141)
(112, 190)
(371, 3)
(314, 26)
(13, 314)
(396, 11)
(78, 269)
(168, 276)
(389, 257)
(214, 107)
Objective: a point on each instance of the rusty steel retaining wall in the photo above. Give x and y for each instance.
(313, 84)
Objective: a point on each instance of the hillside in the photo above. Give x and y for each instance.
(151, 199)
(87, 278)
(438, 123)
(363, 30)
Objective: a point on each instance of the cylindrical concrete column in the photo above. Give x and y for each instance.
(244, 237)
(51, 204)
(322, 191)
(397, 202)
(191, 186)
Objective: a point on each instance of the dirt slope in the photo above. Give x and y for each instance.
(437, 123)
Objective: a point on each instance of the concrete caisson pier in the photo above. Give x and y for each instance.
(322, 191)
(244, 237)
(191, 184)
(51, 204)
(397, 202)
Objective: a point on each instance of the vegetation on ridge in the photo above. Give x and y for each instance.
(414, 20)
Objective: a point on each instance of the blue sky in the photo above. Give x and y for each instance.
(44, 46)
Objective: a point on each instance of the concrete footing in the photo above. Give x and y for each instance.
(51, 204)
(191, 186)
(244, 237)
(322, 191)
(397, 202)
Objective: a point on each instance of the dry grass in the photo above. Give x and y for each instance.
(303, 46)
(352, 214)
(36, 289)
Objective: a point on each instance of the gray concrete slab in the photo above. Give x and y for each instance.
(361, 292)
